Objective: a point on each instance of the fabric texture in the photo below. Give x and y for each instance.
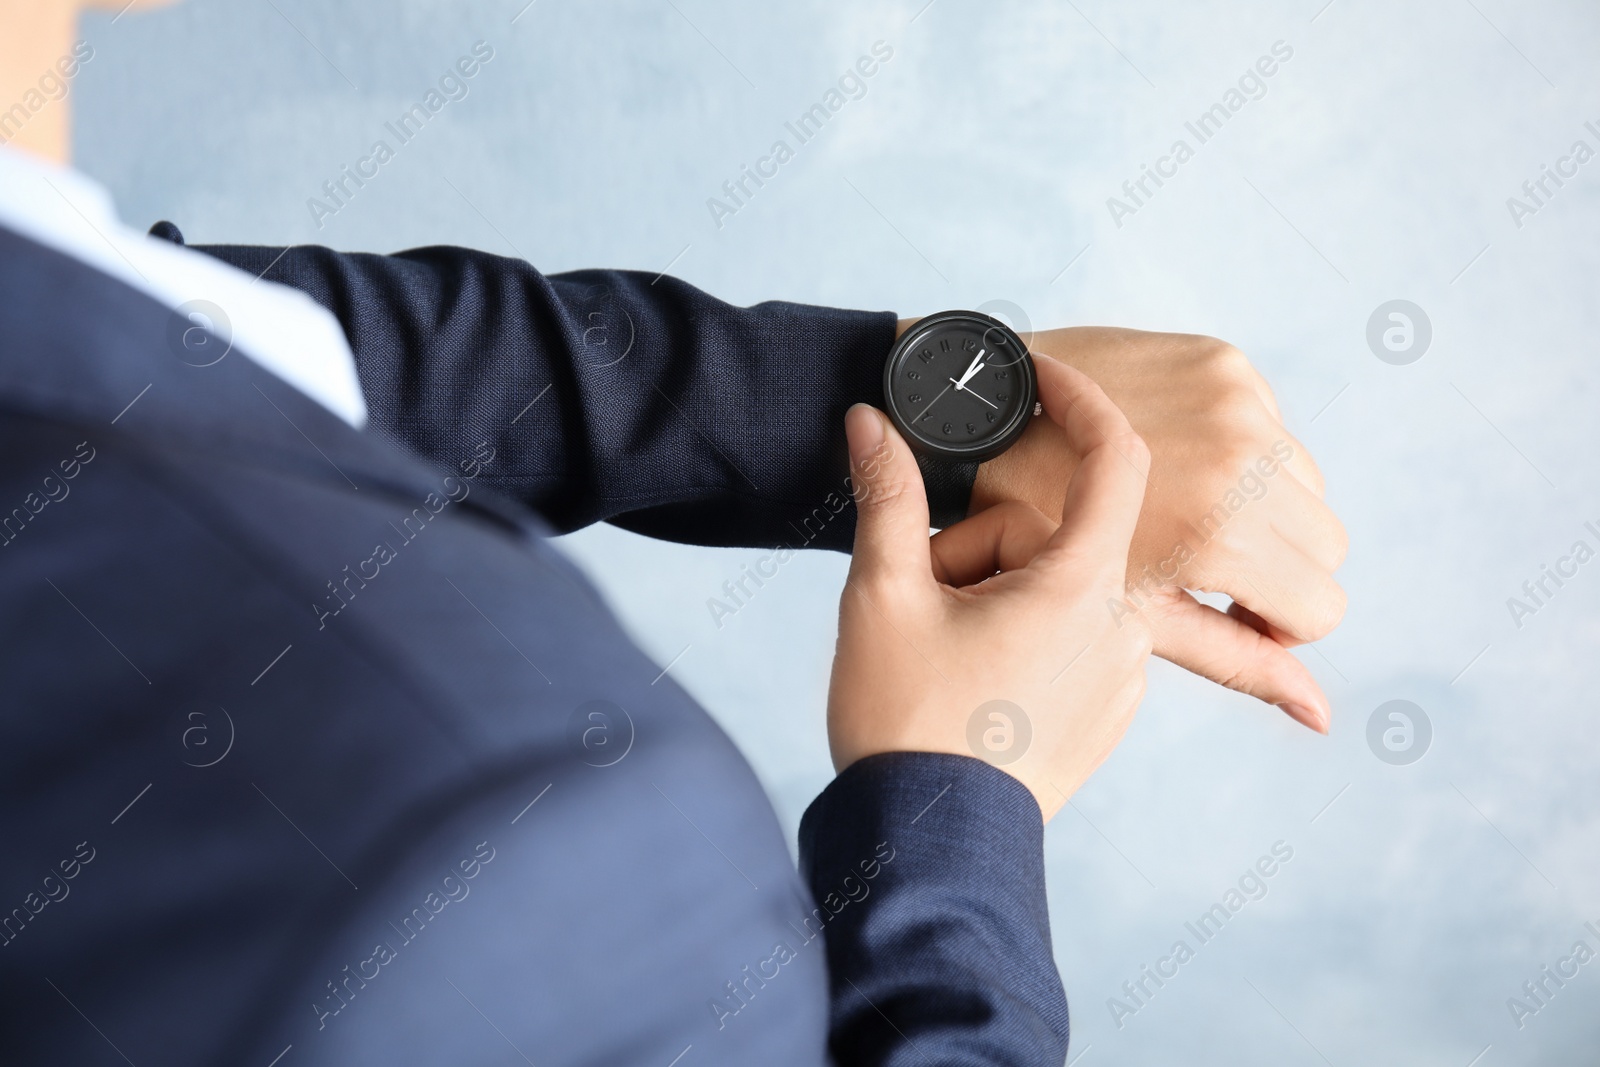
(612, 395)
(316, 752)
(928, 871)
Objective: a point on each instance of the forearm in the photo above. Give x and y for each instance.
(609, 395)
(928, 871)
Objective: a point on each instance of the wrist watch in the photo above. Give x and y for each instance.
(960, 387)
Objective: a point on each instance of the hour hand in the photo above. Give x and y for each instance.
(972, 368)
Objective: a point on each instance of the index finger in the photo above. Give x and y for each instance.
(1106, 490)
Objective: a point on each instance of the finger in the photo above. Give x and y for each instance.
(1301, 518)
(1202, 639)
(1106, 489)
(1002, 538)
(1261, 626)
(1281, 507)
(1281, 584)
(891, 503)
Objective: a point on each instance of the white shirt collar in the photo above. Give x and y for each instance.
(279, 328)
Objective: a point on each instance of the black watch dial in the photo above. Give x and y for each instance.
(959, 385)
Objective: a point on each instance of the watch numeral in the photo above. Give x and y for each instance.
(949, 428)
(989, 415)
(999, 374)
(969, 345)
(1003, 397)
(944, 344)
(926, 355)
(971, 428)
(913, 375)
(914, 397)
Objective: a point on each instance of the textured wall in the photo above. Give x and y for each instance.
(1374, 164)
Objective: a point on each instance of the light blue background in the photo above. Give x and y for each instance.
(982, 156)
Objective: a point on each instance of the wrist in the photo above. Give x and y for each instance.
(1036, 468)
(1012, 475)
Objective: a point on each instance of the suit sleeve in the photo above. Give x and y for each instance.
(928, 875)
(611, 395)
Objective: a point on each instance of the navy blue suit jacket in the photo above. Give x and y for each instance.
(314, 752)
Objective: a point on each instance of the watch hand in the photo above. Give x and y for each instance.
(932, 402)
(972, 368)
(969, 392)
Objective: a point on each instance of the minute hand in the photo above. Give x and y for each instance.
(970, 392)
(972, 368)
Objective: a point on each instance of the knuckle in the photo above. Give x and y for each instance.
(1225, 356)
(1227, 379)
(881, 492)
(1132, 445)
(1248, 675)
(1240, 373)
(1218, 357)
(1229, 551)
(1240, 678)
(1237, 451)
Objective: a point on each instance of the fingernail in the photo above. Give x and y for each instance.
(1317, 720)
(863, 427)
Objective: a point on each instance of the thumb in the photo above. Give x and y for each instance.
(891, 503)
(1106, 491)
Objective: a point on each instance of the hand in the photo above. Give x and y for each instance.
(1234, 506)
(929, 633)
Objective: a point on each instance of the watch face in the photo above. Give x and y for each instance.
(960, 385)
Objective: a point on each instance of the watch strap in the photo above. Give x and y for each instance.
(949, 486)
